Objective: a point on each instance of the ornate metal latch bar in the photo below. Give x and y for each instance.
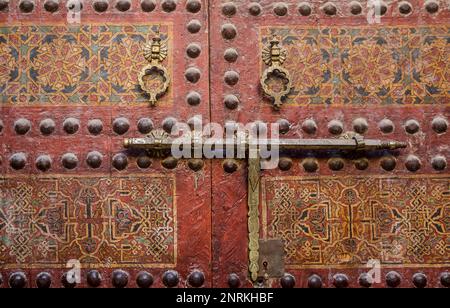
(155, 52)
(159, 143)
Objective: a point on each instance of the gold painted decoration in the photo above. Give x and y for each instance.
(276, 81)
(254, 170)
(154, 78)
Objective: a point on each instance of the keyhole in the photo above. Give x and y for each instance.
(265, 265)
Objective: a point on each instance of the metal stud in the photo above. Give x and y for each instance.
(381, 7)
(69, 161)
(231, 78)
(169, 124)
(393, 279)
(120, 161)
(196, 279)
(193, 98)
(231, 55)
(304, 9)
(195, 164)
(405, 8)
(71, 126)
(355, 8)
(287, 281)
(22, 126)
(44, 163)
(412, 126)
(100, 6)
(280, 9)
(336, 164)
(335, 127)
(230, 166)
(445, 279)
(362, 164)
(4, 5)
(47, 127)
(386, 126)
(340, 281)
(66, 283)
(315, 282)
(170, 163)
(170, 279)
(1, 279)
(309, 126)
(420, 280)
(121, 125)
(94, 159)
(229, 9)
(413, 163)
(439, 163)
(432, 6)
(365, 280)
(255, 9)
(330, 9)
(360, 125)
(169, 6)
(51, 6)
(18, 161)
(310, 165)
(229, 31)
(284, 126)
(17, 280)
(44, 281)
(74, 6)
(95, 127)
(192, 74)
(231, 102)
(144, 280)
(119, 279)
(1, 126)
(285, 164)
(234, 281)
(94, 279)
(144, 161)
(145, 125)
(26, 6)
(148, 6)
(194, 26)
(123, 5)
(440, 125)
(193, 50)
(388, 163)
(193, 6)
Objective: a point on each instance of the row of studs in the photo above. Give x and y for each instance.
(121, 126)
(392, 280)
(94, 160)
(119, 279)
(100, 6)
(331, 9)
(120, 162)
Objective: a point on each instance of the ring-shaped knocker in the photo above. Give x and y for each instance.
(153, 70)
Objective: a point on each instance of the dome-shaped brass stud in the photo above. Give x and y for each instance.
(287, 281)
(169, 6)
(439, 125)
(336, 164)
(169, 124)
(94, 159)
(309, 126)
(439, 163)
(255, 9)
(121, 125)
(231, 55)
(43, 280)
(144, 280)
(120, 161)
(335, 127)
(230, 166)
(95, 127)
(43, 163)
(229, 9)
(22, 126)
(330, 9)
(355, 8)
(285, 164)
(420, 280)
(362, 164)
(123, 5)
(148, 5)
(231, 78)
(284, 126)
(144, 161)
(170, 279)
(119, 279)
(192, 74)
(1, 126)
(196, 279)
(94, 279)
(75, 6)
(194, 26)
(280, 9)
(26, 6)
(193, 6)
(51, 6)
(310, 165)
(195, 164)
(71, 126)
(432, 6)
(393, 279)
(47, 127)
(234, 281)
(413, 163)
(100, 6)
(17, 280)
(365, 280)
(145, 125)
(405, 8)
(69, 161)
(68, 283)
(4, 5)
(231, 101)
(229, 31)
(18, 161)
(386, 126)
(193, 50)
(170, 163)
(305, 9)
(388, 163)
(445, 279)
(340, 281)
(193, 98)
(360, 125)
(315, 282)
(381, 7)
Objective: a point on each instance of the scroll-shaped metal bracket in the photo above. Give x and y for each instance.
(274, 56)
(155, 52)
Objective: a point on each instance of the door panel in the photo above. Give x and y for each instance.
(76, 87)
(336, 211)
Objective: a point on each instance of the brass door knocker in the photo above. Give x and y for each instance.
(274, 56)
(155, 52)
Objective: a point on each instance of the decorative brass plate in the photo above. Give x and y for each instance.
(155, 52)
